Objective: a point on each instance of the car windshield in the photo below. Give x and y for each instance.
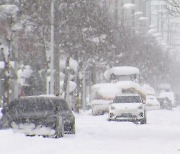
(127, 99)
(37, 104)
(32, 105)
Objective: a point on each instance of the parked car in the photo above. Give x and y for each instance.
(102, 94)
(178, 99)
(152, 103)
(128, 107)
(100, 106)
(165, 91)
(39, 115)
(165, 103)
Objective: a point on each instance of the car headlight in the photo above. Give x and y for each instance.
(112, 107)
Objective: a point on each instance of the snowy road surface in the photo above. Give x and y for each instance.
(96, 135)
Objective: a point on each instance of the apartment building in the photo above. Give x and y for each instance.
(132, 13)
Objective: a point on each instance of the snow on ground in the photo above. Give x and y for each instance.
(96, 135)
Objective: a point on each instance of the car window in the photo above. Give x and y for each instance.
(31, 105)
(64, 105)
(151, 98)
(37, 104)
(127, 99)
(59, 104)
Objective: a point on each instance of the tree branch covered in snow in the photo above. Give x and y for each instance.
(84, 31)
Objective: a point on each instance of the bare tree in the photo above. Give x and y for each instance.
(9, 14)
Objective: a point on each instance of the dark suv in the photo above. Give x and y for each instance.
(39, 115)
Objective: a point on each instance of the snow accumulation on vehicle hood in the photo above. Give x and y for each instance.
(110, 90)
(96, 102)
(122, 70)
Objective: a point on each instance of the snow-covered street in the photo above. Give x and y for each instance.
(96, 135)
(64, 63)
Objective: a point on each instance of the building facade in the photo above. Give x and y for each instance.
(128, 12)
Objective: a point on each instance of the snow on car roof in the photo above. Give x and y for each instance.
(110, 90)
(127, 94)
(47, 95)
(133, 86)
(127, 84)
(102, 85)
(40, 96)
(121, 70)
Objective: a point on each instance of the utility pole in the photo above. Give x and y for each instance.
(168, 30)
(116, 13)
(52, 49)
(66, 81)
(84, 88)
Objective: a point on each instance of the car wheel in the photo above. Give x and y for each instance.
(170, 106)
(103, 112)
(59, 128)
(109, 119)
(5, 123)
(73, 129)
(144, 120)
(94, 113)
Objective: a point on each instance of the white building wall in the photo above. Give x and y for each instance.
(126, 15)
